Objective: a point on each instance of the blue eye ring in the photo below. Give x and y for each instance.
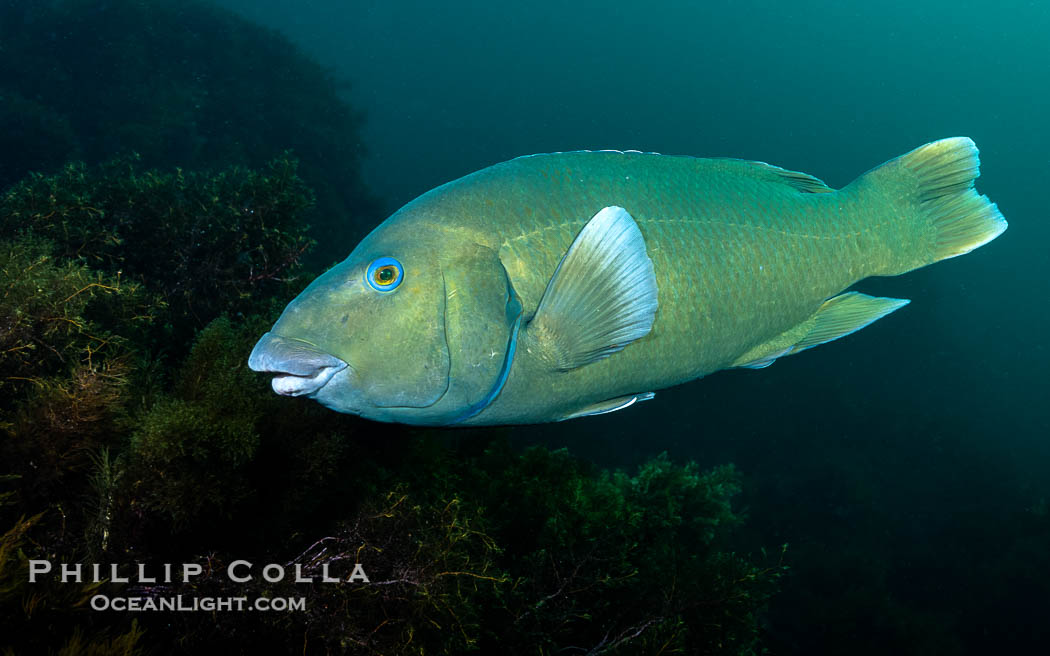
(384, 275)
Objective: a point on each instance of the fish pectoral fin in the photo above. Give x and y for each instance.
(611, 405)
(602, 296)
(837, 317)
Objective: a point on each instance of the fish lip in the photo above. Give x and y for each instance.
(292, 385)
(301, 368)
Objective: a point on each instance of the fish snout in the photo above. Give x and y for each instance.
(299, 366)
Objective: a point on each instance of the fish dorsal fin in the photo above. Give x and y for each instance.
(802, 182)
(602, 296)
(837, 317)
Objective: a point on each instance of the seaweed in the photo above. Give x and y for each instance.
(534, 552)
(48, 616)
(183, 84)
(202, 244)
(188, 450)
(613, 563)
(63, 366)
(45, 309)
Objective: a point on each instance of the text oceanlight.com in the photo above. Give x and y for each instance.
(209, 604)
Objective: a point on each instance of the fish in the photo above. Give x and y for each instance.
(564, 285)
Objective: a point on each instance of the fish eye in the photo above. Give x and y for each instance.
(384, 274)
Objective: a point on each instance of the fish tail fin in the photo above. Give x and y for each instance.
(939, 213)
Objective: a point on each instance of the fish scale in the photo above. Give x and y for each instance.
(704, 249)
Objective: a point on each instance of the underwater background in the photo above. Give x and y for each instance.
(890, 492)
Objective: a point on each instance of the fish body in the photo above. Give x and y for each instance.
(567, 284)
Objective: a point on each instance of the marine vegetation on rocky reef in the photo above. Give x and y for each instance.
(106, 275)
(132, 431)
(181, 83)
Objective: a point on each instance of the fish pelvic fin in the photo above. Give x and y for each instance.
(611, 405)
(837, 317)
(941, 215)
(602, 296)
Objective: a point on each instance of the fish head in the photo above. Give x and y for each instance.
(400, 331)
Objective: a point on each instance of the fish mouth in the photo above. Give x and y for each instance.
(292, 385)
(301, 368)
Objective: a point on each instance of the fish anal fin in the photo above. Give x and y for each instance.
(846, 314)
(763, 361)
(837, 317)
(611, 405)
(602, 296)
